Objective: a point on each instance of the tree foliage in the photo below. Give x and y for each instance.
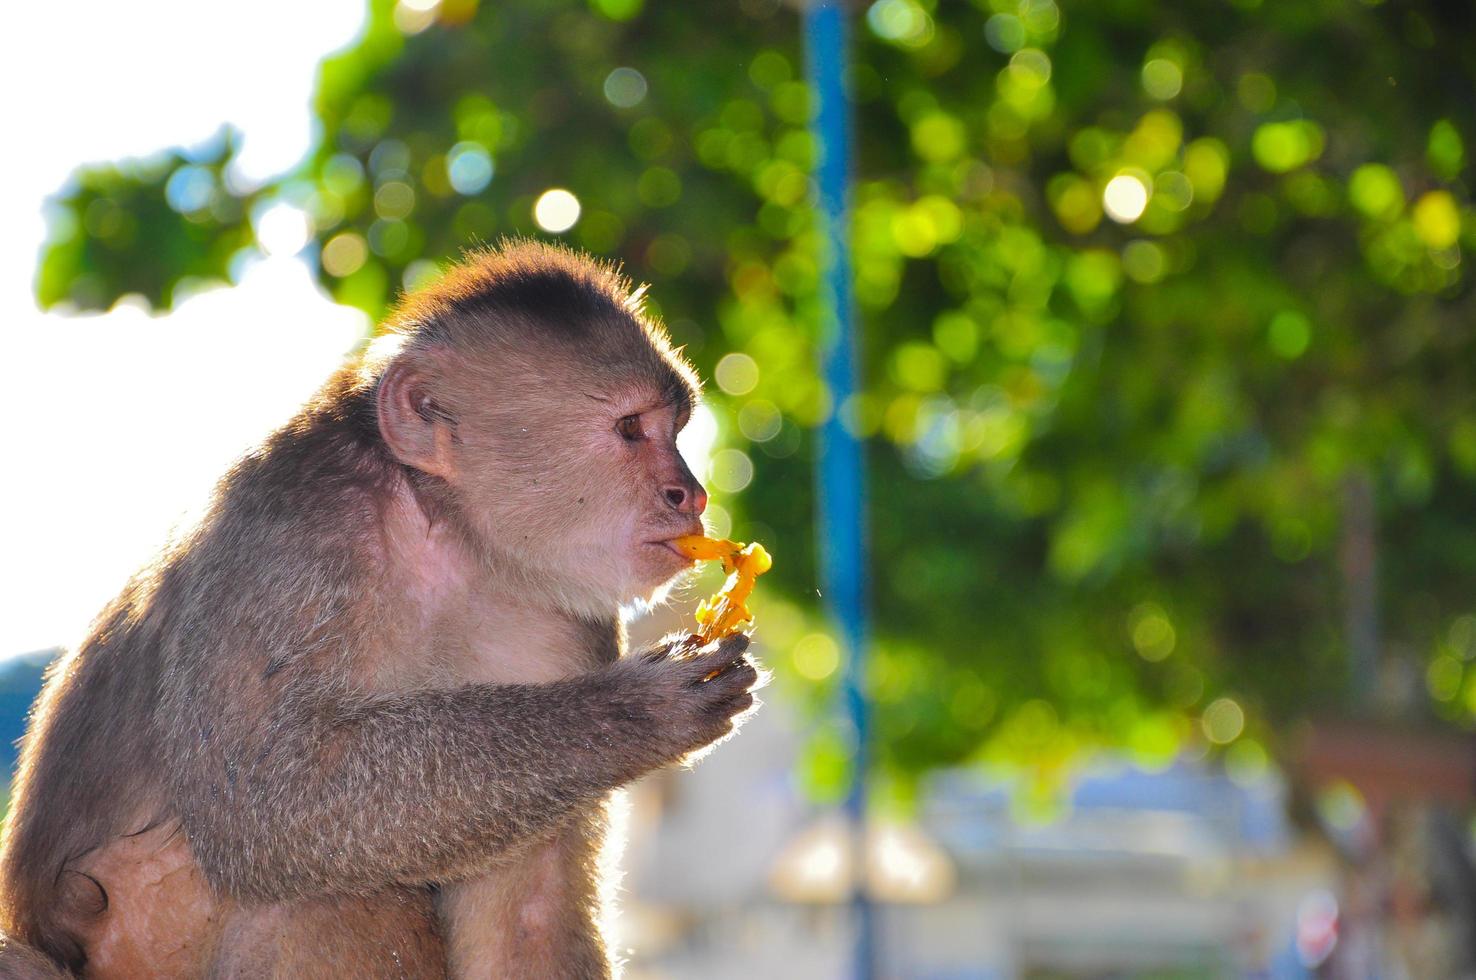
(1143, 285)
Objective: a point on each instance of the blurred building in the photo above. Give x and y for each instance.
(1178, 873)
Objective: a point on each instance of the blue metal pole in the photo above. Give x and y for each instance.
(840, 463)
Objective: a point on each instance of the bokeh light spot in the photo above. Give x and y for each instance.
(1075, 203)
(1246, 762)
(1283, 146)
(414, 16)
(1291, 540)
(659, 187)
(1152, 632)
(938, 137)
(1289, 334)
(1030, 67)
(389, 158)
(668, 255)
(1040, 16)
(1443, 677)
(902, 22)
(469, 168)
(957, 335)
(342, 174)
(760, 420)
(283, 229)
(1143, 261)
(617, 9)
(1375, 191)
(1162, 79)
(1005, 33)
(770, 69)
(625, 87)
(1445, 150)
(190, 189)
(1125, 197)
(1462, 636)
(1206, 164)
(344, 254)
(1093, 277)
(394, 200)
(731, 472)
(816, 656)
(1222, 721)
(1173, 190)
(1342, 806)
(556, 210)
(1437, 220)
(389, 237)
(918, 366)
(1154, 142)
(737, 374)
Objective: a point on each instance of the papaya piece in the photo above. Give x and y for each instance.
(727, 611)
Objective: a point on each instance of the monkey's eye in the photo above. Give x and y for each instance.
(629, 428)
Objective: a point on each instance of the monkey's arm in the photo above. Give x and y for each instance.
(350, 792)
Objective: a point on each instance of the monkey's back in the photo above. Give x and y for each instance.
(95, 871)
(95, 762)
(86, 775)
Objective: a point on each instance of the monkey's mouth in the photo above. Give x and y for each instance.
(667, 544)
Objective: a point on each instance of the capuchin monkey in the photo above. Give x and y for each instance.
(364, 719)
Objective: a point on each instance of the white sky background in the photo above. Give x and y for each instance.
(117, 425)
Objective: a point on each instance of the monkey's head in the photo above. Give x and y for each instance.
(536, 406)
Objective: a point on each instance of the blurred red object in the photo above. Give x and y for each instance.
(1388, 764)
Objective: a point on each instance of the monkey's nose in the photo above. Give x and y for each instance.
(686, 499)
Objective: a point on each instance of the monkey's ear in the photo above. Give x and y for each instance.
(418, 431)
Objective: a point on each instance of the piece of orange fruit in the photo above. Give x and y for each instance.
(727, 611)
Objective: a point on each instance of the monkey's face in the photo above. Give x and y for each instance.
(581, 482)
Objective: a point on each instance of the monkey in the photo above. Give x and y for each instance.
(364, 718)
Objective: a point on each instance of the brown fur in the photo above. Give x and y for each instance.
(369, 711)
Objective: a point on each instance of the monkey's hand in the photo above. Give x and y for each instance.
(696, 695)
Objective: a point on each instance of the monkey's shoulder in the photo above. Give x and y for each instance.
(315, 469)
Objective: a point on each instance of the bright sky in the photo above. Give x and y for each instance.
(117, 425)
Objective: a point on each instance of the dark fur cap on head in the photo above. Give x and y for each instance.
(499, 299)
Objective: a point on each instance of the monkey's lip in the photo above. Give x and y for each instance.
(667, 544)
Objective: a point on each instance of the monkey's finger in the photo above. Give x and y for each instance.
(730, 679)
(736, 705)
(733, 645)
(712, 663)
(720, 654)
(718, 671)
(656, 654)
(721, 716)
(673, 645)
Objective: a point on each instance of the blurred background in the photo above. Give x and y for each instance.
(1167, 358)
